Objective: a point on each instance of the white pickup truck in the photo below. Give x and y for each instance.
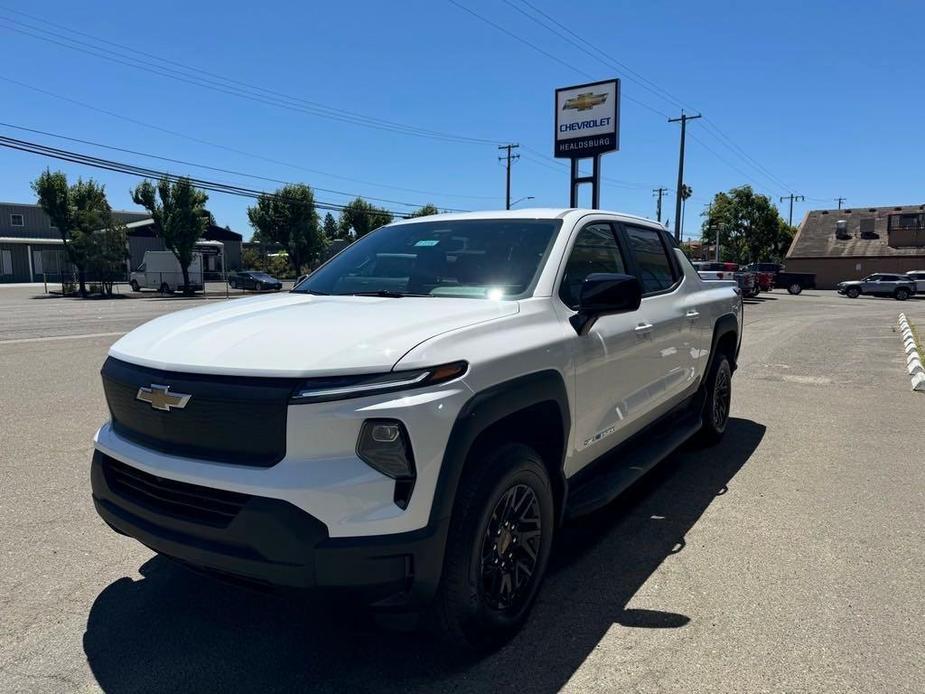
(418, 435)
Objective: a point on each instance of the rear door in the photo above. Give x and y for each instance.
(668, 325)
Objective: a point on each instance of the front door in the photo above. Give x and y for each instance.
(610, 358)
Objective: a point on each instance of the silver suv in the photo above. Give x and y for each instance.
(900, 287)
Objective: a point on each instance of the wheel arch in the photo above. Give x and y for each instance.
(726, 339)
(532, 409)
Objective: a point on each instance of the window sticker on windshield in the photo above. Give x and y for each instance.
(427, 242)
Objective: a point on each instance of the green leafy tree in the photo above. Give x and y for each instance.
(78, 211)
(180, 217)
(288, 217)
(363, 217)
(108, 256)
(425, 211)
(330, 227)
(748, 225)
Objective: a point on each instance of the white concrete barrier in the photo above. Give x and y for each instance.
(913, 358)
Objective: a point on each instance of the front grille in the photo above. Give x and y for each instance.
(227, 419)
(188, 502)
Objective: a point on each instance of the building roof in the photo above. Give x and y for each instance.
(145, 227)
(815, 237)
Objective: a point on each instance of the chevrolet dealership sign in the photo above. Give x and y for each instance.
(588, 119)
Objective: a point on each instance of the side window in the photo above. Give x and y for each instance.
(595, 250)
(656, 272)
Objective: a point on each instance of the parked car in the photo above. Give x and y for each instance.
(765, 273)
(251, 279)
(900, 287)
(746, 281)
(419, 438)
(919, 277)
(161, 270)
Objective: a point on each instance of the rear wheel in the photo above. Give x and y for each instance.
(853, 292)
(497, 550)
(135, 286)
(795, 288)
(164, 288)
(901, 294)
(719, 399)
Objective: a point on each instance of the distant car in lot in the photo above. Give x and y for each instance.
(793, 282)
(900, 287)
(250, 279)
(747, 281)
(918, 276)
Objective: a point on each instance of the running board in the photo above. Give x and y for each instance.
(617, 470)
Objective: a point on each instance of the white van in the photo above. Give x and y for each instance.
(160, 270)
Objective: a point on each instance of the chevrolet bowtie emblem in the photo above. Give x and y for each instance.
(160, 397)
(585, 102)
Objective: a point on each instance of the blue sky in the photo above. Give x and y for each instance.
(824, 99)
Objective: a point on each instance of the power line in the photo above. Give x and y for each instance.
(227, 85)
(679, 193)
(143, 172)
(791, 198)
(207, 167)
(235, 150)
(544, 52)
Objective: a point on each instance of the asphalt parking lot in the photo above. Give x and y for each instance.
(789, 558)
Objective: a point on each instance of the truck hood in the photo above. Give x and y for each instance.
(295, 335)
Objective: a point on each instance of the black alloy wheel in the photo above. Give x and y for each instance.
(722, 396)
(510, 549)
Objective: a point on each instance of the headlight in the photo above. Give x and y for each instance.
(343, 387)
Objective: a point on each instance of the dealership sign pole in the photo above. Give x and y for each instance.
(587, 125)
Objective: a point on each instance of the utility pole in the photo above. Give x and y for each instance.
(840, 201)
(791, 198)
(658, 193)
(508, 158)
(677, 206)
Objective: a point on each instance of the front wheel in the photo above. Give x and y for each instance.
(719, 399)
(135, 286)
(853, 292)
(164, 288)
(902, 294)
(498, 547)
(795, 288)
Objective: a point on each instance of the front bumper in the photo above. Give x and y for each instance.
(268, 541)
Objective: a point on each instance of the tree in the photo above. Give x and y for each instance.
(108, 255)
(363, 217)
(330, 227)
(180, 217)
(425, 211)
(288, 217)
(78, 211)
(750, 227)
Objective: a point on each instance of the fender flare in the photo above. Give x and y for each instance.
(725, 324)
(486, 408)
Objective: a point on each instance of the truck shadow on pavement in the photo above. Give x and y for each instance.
(173, 630)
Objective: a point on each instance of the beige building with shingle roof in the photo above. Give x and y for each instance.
(852, 243)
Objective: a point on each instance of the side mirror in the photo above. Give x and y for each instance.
(604, 293)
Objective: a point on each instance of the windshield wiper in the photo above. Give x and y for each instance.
(387, 293)
(315, 292)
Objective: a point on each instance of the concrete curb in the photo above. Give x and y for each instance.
(913, 358)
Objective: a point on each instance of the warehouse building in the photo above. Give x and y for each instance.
(31, 249)
(850, 244)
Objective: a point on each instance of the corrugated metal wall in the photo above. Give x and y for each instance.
(14, 263)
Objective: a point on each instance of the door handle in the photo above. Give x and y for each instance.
(692, 314)
(643, 328)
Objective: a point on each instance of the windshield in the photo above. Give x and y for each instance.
(485, 258)
(260, 276)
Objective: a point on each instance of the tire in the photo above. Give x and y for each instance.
(901, 294)
(716, 406)
(795, 288)
(852, 292)
(165, 288)
(472, 608)
(134, 285)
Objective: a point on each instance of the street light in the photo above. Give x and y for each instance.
(529, 197)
